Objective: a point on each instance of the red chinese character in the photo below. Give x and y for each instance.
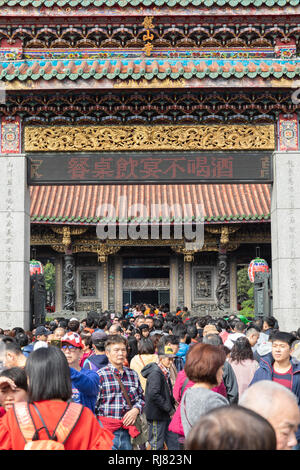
(102, 168)
(125, 168)
(174, 167)
(199, 167)
(151, 167)
(78, 167)
(222, 167)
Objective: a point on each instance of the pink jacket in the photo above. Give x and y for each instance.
(176, 425)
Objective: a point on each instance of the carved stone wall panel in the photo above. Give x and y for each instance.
(88, 306)
(203, 284)
(146, 284)
(87, 284)
(122, 138)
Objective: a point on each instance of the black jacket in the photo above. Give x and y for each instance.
(230, 383)
(159, 401)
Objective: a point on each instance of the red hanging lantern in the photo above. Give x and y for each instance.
(257, 265)
(36, 267)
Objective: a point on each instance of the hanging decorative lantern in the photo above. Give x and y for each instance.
(36, 267)
(257, 265)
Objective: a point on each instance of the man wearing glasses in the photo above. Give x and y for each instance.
(85, 383)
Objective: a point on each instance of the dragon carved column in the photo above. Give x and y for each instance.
(69, 272)
(223, 288)
(69, 280)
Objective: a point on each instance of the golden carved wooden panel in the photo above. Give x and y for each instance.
(122, 138)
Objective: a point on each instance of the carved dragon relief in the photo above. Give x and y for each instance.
(157, 137)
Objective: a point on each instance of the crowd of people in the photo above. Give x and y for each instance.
(148, 379)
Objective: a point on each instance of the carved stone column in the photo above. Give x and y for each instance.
(69, 282)
(119, 284)
(223, 289)
(105, 286)
(233, 285)
(180, 281)
(188, 284)
(58, 283)
(173, 283)
(111, 284)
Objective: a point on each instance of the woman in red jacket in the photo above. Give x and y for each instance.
(49, 393)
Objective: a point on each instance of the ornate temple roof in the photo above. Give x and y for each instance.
(79, 205)
(148, 69)
(158, 3)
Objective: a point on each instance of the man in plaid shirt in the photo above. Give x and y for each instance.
(112, 409)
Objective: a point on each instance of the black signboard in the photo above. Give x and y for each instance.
(149, 167)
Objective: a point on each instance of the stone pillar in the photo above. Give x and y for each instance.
(111, 284)
(69, 282)
(188, 284)
(15, 241)
(58, 284)
(173, 283)
(119, 284)
(222, 291)
(104, 286)
(233, 285)
(285, 235)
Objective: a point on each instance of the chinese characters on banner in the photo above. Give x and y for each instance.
(136, 168)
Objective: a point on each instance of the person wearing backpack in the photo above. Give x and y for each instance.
(99, 358)
(50, 420)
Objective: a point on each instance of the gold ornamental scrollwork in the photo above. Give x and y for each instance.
(67, 232)
(126, 138)
(225, 231)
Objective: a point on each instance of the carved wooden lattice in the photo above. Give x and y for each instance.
(121, 138)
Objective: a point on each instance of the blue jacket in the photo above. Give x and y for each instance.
(85, 387)
(27, 349)
(265, 372)
(183, 349)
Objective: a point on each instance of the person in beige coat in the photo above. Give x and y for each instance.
(145, 356)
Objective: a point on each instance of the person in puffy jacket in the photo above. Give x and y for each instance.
(159, 400)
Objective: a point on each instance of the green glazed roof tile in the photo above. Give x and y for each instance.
(146, 3)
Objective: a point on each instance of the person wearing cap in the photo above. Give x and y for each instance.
(85, 382)
(160, 403)
(145, 331)
(279, 366)
(98, 359)
(41, 333)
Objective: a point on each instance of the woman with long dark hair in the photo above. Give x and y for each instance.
(49, 412)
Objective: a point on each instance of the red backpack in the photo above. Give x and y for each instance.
(30, 432)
